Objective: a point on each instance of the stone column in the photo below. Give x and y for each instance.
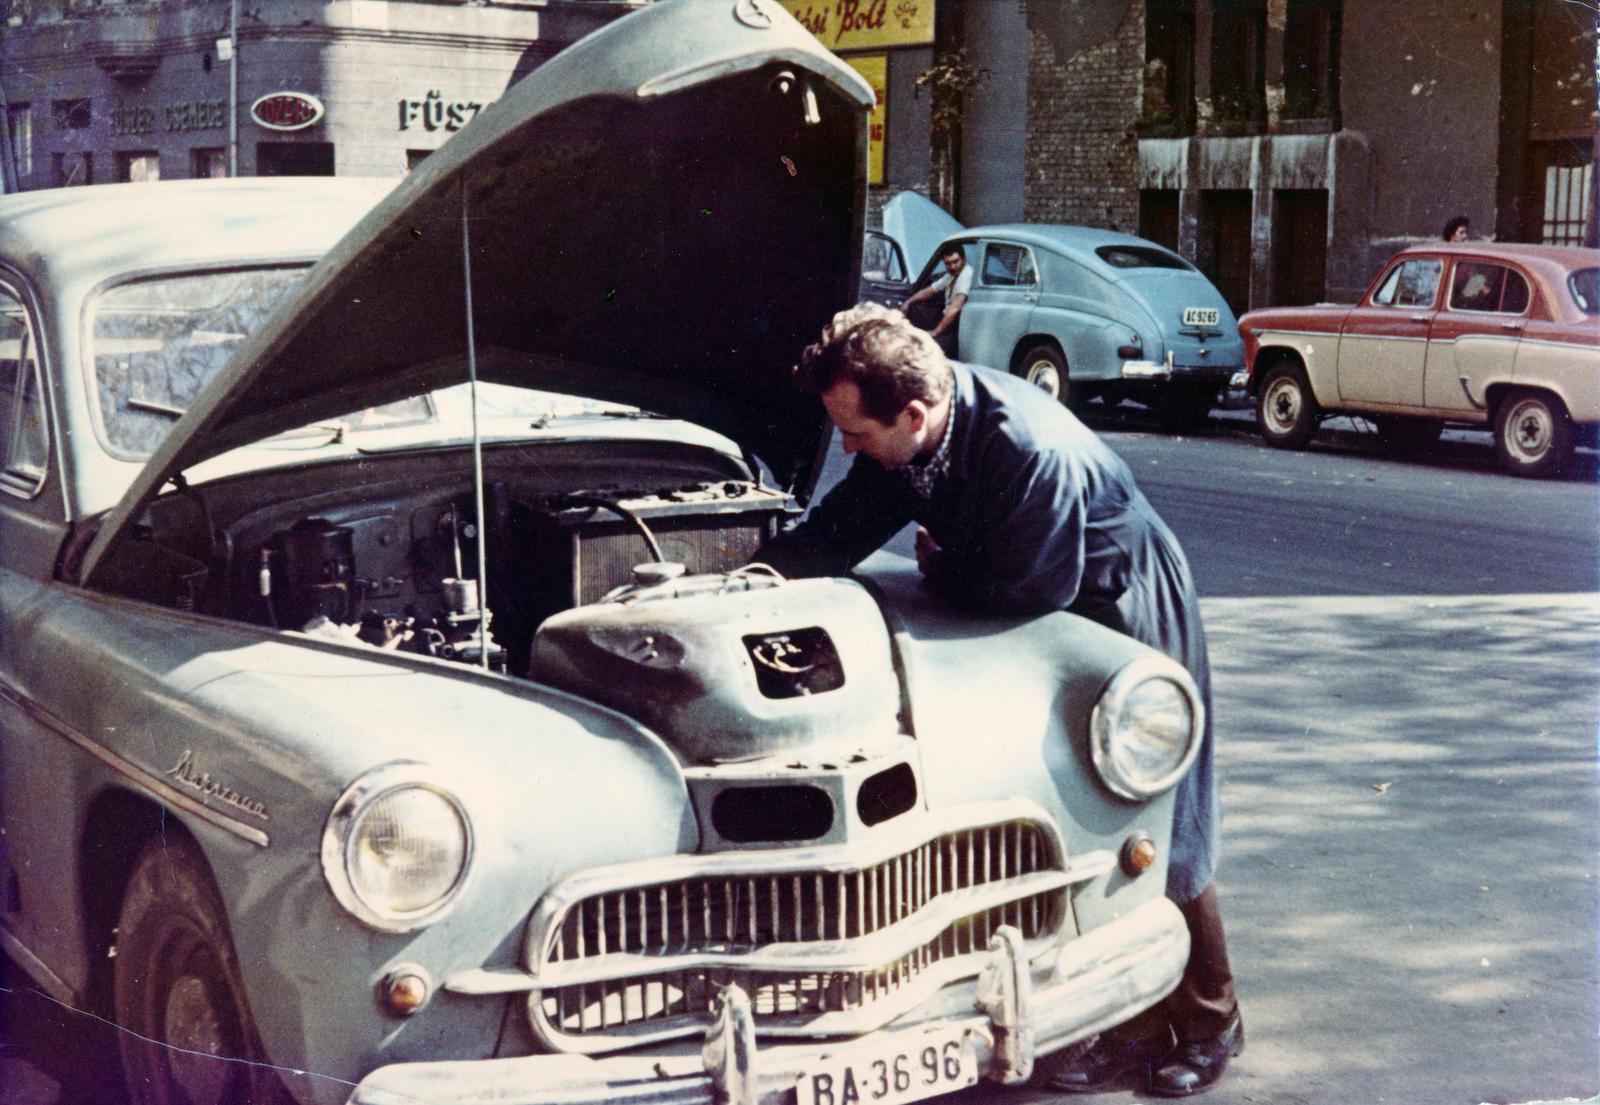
(1277, 20)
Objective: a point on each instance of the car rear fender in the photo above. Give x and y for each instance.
(1569, 370)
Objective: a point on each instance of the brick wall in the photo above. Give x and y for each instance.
(1083, 158)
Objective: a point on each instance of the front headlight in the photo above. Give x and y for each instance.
(397, 848)
(1146, 728)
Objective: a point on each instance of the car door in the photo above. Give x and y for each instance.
(1001, 306)
(884, 278)
(1383, 348)
(1474, 339)
(34, 760)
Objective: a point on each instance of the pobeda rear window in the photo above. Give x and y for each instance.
(156, 343)
(1140, 257)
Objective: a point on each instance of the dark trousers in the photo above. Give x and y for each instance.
(1204, 1001)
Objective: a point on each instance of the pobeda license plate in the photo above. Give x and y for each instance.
(891, 1071)
(1201, 316)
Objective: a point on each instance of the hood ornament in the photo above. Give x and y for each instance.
(752, 13)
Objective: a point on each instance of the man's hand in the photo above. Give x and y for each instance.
(927, 549)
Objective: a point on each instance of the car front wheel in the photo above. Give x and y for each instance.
(1286, 411)
(1532, 434)
(177, 990)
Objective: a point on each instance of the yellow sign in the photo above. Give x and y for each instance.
(875, 68)
(865, 24)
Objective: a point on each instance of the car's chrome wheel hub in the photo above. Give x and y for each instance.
(1046, 377)
(1283, 404)
(195, 1037)
(1531, 431)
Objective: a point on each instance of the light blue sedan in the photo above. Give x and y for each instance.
(1080, 312)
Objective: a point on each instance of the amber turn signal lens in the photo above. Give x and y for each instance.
(405, 992)
(1138, 854)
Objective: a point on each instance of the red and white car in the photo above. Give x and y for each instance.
(1476, 333)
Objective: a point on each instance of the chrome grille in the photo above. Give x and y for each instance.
(659, 936)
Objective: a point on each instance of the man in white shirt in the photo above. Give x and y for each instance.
(956, 283)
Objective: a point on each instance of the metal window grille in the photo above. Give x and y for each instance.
(1567, 191)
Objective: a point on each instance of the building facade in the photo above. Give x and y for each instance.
(97, 92)
(1286, 146)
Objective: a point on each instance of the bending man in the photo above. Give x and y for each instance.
(1023, 510)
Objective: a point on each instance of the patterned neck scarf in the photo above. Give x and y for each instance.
(925, 474)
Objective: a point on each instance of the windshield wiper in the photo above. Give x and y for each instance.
(153, 407)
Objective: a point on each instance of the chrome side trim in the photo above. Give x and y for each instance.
(148, 782)
(36, 968)
(1466, 389)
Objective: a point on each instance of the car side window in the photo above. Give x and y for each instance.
(1008, 266)
(1480, 286)
(24, 435)
(1413, 283)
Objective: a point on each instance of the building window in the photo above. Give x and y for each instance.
(1568, 193)
(1239, 61)
(1311, 60)
(72, 114)
(19, 121)
(137, 166)
(1168, 107)
(415, 158)
(209, 161)
(294, 159)
(73, 169)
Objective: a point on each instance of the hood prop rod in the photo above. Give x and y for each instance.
(477, 437)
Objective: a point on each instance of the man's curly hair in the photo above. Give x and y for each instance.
(878, 349)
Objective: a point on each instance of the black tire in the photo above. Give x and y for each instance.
(1045, 368)
(1180, 409)
(178, 991)
(1286, 411)
(1400, 435)
(1533, 436)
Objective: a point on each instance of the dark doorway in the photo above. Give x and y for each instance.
(1158, 216)
(1299, 246)
(294, 158)
(1224, 246)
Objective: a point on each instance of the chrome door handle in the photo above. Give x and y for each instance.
(1419, 318)
(1512, 326)
(1031, 298)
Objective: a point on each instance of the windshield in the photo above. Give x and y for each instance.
(156, 343)
(1585, 285)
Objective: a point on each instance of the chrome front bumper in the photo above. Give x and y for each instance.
(1012, 1013)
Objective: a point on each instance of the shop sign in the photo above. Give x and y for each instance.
(188, 115)
(865, 24)
(286, 110)
(433, 112)
(875, 68)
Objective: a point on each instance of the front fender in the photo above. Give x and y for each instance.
(1027, 734)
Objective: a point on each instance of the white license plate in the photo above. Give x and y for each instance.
(891, 1071)
(1201, 316)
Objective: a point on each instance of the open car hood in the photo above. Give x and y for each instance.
(663, 215)
(918, 226)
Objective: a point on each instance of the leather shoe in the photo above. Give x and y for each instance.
(1110, 1063)
(1194, 1066)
